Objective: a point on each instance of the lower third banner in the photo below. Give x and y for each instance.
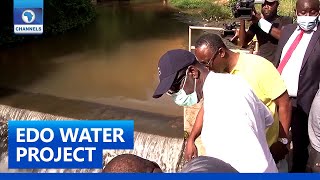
(65, 144)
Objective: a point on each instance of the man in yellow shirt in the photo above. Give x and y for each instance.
(264, 79)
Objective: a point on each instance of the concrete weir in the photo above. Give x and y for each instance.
(166, 151)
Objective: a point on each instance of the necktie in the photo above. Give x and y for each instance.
(290, 51)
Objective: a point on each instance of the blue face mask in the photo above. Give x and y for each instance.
(307, 22)
(183, 99)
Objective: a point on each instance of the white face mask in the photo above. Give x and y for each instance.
(307, 22)
(183, 99)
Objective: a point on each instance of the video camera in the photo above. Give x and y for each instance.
(229, 29)
(243, 8)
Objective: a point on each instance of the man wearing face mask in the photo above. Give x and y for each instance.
(267, 28)
(172, 75)
(298, 59)
(232, 123)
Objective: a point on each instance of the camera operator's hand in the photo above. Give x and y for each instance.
(235, 38)
(236, 32)
(256, 16)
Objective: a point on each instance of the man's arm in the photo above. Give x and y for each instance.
(267, 27)
(197, 127)
(275, 88)
(245, 37)
(278, 149)
(275, 32)
(284, 104)
(191, 149)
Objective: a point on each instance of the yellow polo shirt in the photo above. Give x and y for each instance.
(267, 84)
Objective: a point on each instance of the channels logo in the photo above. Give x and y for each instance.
(28, 17)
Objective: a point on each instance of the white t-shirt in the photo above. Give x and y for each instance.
(234, 124)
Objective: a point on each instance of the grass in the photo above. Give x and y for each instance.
(287, 8)
(221, 10)
(204, 8)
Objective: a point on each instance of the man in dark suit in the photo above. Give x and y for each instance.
(298, 61)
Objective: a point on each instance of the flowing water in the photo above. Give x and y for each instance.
(165, 151)
(106, 70)
(111, 61)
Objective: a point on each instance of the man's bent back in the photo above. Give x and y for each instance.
(234, 124)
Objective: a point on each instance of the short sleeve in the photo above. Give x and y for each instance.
(271, 82)
(267, 116)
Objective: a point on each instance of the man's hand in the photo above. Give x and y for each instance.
(256, 16)
(278, 151)
(191, 150)
(234, 39)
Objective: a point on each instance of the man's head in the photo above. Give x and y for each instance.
(129, 163)
(180, 77)
(212, 52)
(206, 164)
(307, 7)
(269, 9)
(307, 12)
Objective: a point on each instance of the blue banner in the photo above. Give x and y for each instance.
(158, 176)
(28, 3)
(65, 144)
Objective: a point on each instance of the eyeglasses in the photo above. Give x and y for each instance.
(209, 62)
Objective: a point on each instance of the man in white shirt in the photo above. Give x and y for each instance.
(232, 122)
(313, 164)
(298, 57)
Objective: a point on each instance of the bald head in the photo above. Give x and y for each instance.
(129, 163)
(307, 7)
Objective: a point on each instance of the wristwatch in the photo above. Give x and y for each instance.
(284, 141)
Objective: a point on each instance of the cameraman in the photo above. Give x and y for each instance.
(267, 28)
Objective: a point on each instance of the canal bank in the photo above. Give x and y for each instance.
(208, 12)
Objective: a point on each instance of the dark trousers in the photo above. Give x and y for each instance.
(300, 139)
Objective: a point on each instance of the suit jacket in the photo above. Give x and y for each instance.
(309, 77)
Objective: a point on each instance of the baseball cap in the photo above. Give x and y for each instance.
(206, 164)
(169, 65)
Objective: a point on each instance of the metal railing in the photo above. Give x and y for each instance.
(213, 29)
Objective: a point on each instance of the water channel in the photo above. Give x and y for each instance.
(112, 61)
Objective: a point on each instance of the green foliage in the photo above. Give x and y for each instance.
(59, 16)
(63, 15)
(287, 8)
(217, 12)
(211, 9)
(190, 4)
(208, 8)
